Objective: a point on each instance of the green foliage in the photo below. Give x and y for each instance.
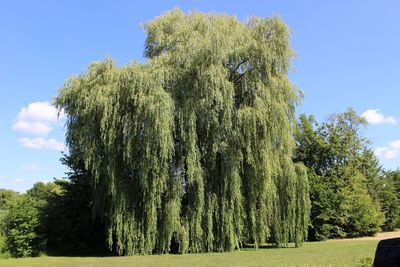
(193, 147)
(5, 196)
(365, 262)
(2, 234)
(341, 169)
(22, 224)
(2, 242)
(53, 217)
(387, 189)
(383, 189)
(22, 228)
(363, 216)
(70, 226)
(41, 191)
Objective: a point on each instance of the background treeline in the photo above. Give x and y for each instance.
(54, 218)
(350, 193)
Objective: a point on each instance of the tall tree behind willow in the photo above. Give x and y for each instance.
(193, 148)
(344, 174)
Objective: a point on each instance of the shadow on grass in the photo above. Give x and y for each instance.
(267, 246)
(244, 247)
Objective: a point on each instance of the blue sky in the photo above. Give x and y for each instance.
(348, 56)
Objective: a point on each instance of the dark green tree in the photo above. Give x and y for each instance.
(341, 168)
(22, 227)
(42, 191)
(194, 147)
(387, 189)
(6, 197)
(70, 226)
(23, 224)
(362, 215)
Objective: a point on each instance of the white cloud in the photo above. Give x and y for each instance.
(38, 127)
(28, 182)
(39, 111)
(41, 143)
(390, 152)
(387, 153)
(32, 167)
(19, 181)
(37, 118)
(395, 144)
(374, 116)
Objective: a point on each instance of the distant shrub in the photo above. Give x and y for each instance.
(21, 228)
(2, 243)
(365, 262)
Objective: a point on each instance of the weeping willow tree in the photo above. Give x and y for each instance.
(193, 148)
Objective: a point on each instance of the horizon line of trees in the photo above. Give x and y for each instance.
(351, 195)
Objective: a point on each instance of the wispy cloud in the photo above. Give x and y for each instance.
(374, 116)
(387, 153)
(32, 167)
(37, 118)
(390, 152)
(395, 144)
(24, 181)
(41, 143)
(20, 181)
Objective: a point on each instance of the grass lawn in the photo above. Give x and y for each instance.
(331, 253)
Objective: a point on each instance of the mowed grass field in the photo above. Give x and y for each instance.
(330, 253)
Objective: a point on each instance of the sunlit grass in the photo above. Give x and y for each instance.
(345, 253)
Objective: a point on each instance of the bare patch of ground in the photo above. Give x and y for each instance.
(379, 236)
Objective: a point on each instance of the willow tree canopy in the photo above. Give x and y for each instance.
(193, 147)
